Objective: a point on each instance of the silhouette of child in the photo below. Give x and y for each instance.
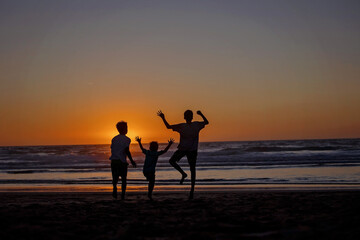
(151, 157)
(119, 150)
(188, 146)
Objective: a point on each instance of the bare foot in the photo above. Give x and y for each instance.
(183, 178)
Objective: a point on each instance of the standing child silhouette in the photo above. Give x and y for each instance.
(119, 151)
(189, 140)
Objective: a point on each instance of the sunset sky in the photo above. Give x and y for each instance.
(258, 70)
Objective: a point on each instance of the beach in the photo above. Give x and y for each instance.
(245, 190)
(246, 214)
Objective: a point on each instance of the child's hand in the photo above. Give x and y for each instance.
(171, 141)
(160, 114)
(138, 139)
(133, 164)
(199, 113)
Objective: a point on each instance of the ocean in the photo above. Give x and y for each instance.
(244, 164)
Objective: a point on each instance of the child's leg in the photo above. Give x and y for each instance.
(173, 162)
(191, 156)
(115, 178)
(123, 187)
(151, 185)
(123, 180)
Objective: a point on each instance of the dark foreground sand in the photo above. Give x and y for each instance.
(211, 215)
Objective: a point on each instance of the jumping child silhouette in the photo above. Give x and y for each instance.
(189, 139)
(150, 162)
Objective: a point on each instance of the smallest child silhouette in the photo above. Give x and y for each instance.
(151, 157)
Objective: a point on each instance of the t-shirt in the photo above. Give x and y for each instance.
(189, 135)
(151, 158)
(118, 145)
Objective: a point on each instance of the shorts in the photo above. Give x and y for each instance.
(119, 169)
(191, 156)
(149, 175)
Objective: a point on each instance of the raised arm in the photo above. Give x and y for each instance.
(127, 151)
(204, 118)
(139, 141)
(160, 114)
(171, 141)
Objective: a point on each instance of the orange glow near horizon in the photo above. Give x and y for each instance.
(150, 128)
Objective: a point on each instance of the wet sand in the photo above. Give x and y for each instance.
(211, 215)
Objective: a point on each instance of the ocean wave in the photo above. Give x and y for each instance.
(239, 150)
(215, 155)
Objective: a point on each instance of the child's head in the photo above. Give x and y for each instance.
(122, 127)
(154, 146)
(188, 115)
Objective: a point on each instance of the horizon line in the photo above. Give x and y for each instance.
(266, 140)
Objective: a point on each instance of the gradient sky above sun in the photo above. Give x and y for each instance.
(271, 69)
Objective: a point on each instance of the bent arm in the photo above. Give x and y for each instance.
(204, 118)
(127, 151)
(168, 126)
(167, 147)
(162, 115)
(141, 147)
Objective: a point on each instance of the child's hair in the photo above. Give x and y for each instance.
(188, 114)
(122, 127)
(154, 146)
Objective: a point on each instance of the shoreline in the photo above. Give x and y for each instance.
(185, 188)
